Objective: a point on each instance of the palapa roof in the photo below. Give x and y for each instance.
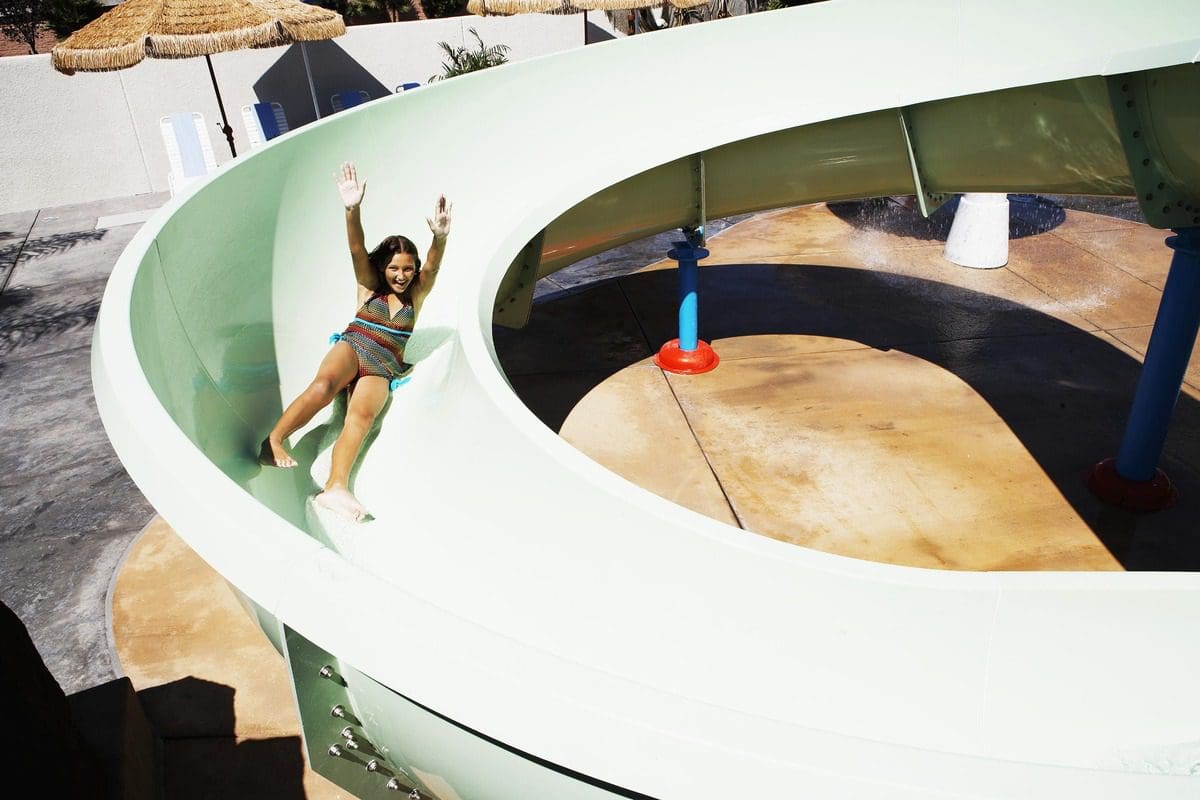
(135, 29)
(617, 5)
(485, 8)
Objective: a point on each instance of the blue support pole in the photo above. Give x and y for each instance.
(1166, 361)
(689, 312)
(688, 355)
(1133, 479)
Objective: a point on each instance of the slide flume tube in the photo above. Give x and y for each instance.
(518, 621)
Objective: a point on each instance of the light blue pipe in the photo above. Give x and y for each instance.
(689, 314)
(1166, 361)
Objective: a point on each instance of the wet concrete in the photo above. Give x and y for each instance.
(876, 401)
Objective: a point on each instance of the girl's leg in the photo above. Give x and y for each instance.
(369, 397)
(338, 368)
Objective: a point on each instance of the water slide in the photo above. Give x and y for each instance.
(518, 622)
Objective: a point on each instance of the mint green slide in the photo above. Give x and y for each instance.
(518, 622)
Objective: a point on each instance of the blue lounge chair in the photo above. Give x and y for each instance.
(348, 99)
(264, 121)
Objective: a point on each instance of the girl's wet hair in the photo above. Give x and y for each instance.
(382, 255)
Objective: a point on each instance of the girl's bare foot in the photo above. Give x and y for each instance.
(339, 500)
(272, 454)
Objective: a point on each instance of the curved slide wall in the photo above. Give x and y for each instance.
(519, 622)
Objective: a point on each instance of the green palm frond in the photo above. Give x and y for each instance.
(461, 60)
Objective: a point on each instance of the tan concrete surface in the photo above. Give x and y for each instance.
(1100, 292)
(1137, 249)
(884, 456)
(877, 401)
(210, 682)
(633, 424)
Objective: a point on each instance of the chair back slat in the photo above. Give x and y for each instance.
(263, 121)
(348, 99)
(267, 121)
(187, 141)
(189, 148)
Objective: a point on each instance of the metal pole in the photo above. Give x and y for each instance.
(1132, 479)
(1171, 343)
(225, 128)
(308, 71)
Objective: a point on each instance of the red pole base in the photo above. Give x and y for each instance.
(686, 362)
(1152, 495)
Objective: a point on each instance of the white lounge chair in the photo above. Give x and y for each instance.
(263, 121)
(348, 99)
(189, 149)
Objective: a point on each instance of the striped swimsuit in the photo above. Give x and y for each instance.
(378, 339)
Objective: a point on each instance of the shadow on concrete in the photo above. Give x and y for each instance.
(45, 246)
(94, 744)
(333, 70)
(202, 757)
(1063, 392)
(1028, 215)
(24, 321)
(594, 33)
(1126, 208)
(114, 724)
(43, 740)
(10, 248)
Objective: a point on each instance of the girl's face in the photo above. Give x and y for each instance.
(399, 272)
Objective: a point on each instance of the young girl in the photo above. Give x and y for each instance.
(368, 357)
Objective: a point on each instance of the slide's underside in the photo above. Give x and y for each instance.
(519, 622)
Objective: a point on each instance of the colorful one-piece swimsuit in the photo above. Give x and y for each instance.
(378, 339)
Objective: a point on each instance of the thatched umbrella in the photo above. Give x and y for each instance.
(631, 5)
(135, 29)
(484, 8)
(619, 5)
(506, 8)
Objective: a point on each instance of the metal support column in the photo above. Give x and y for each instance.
(1133, 479)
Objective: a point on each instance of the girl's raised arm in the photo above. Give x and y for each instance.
(439, 226)
(352, 193)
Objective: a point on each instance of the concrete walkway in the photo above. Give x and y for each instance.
(69, 512)
(872, 400)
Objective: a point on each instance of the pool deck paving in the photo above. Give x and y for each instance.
(876, 401)
(872, 400)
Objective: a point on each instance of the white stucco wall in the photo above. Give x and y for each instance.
(96, 135)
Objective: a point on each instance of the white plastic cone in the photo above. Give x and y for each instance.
(979, 236)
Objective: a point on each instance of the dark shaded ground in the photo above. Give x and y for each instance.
(1029, 214)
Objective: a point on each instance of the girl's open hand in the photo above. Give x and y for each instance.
(348, 186)
(439, 223)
